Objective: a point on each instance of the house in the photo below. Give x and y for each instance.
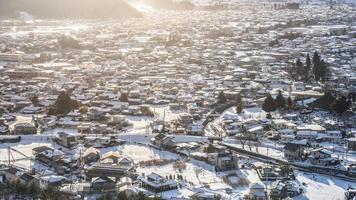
(97, 114)
(125, 162)
(53, 181)
(295, 150)
(223, 160)
(163, 141)
(320, 153)
(195, 129)
(255, 131)
(102, 170)
(40, 149)
(250, 123)
(103, 184)
(280, 124)
(333, 136)
(287, 138)
(232, 127)
(4, 127)
(55, 158)
(13, 174)
(278, 190)
(124, 183)
(258, 192)
(101, 129)
(322, 157)
(66, 139)
(84, 128)
(350, 194)
(67, 122)
(31, 110)
(205, 195)
(281, 189)
(269, 173)
(307, 135)
(351, 144)
(91, 154)
(111, 157)
(185, 119)
(156, 183)
(312, 128)
(24, 129)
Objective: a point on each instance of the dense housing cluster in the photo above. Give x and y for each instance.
(237, 100)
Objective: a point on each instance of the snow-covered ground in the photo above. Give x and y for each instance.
(141, 153)
(320, 187)
(140, 123)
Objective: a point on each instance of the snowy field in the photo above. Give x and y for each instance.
(140, 123)
(320, 187)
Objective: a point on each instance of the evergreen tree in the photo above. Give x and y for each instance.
(106, 197)
(316, 66)
(141, 196)
(323, 70)
(35, 101)
(49, 194)
(325, 101)
(83, 109)
(299, 68)
(340, 105)
(63, 103)
(33, 189)
(19, 187)
(307, 68)
(280, 101)
(289, 102)
(221, 98)
(286, 169)
(62, 106)
(269, 105)
(124, 97)
(239, 103)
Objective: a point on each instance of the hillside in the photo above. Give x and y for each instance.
(64, 9)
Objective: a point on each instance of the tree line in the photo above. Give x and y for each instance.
(33, 190)
(315, 68)
(270, 104)
(338, 104)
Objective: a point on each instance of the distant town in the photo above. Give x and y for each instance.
(201, 100)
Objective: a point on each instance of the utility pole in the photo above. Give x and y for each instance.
(8, 155)
(267, 149)
(164, 121)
